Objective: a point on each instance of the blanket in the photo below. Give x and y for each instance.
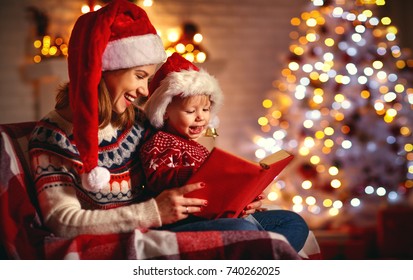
(22, 235)
(165, 245)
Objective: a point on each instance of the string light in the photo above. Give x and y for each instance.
(48, 47)
(187, 42)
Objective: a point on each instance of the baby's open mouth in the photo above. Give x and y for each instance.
(196, 129)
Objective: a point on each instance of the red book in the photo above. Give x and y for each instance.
(233, 182)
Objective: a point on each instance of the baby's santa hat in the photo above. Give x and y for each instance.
(179, 77)
(116, 36)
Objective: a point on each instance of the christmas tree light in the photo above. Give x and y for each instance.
(344, 106)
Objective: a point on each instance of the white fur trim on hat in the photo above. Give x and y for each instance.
(96, 179)
(184, 83)
(133, 51)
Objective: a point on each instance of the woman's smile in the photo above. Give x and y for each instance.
(129, 97)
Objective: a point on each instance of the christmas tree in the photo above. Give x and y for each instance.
(344, 106)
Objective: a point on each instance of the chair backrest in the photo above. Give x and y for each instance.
(20, 229)
(15, 137)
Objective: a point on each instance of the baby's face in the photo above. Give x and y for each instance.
(188, 117)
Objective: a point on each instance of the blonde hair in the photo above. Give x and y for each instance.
(185, 100)
(106, 114)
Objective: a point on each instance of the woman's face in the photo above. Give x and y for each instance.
(126, 85)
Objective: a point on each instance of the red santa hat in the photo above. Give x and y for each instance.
(116, 36)
(178, 76)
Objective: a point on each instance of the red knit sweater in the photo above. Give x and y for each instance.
(169, 161)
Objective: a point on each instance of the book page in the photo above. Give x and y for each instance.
(273, 158)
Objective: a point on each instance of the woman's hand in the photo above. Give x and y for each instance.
(173, 206)
(253, 206)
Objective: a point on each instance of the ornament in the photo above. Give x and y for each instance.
(211, 132)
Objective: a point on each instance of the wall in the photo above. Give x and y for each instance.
(246, 39)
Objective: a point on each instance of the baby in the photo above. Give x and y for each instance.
(182, 100)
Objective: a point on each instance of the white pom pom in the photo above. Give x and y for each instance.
(214, 122)
(96, 179)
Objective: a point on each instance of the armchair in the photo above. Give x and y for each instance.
(22, 235)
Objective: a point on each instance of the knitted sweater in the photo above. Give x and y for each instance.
(169, 161)
(66, 207)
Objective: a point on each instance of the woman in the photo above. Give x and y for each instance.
(84, 153)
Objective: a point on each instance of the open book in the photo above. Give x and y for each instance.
(233, 182)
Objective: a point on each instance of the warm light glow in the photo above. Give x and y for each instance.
(400, 64)
(85, 9)
(147, 3)
(53, 50)
(267, 103)
(339, 30)
(295, 21)
(189, 48)
(306, 185)
(37, 59)
(328, 143)
(399, 88)
(304, 151)
(297, 199)
(315, 160)
(37, 44)
(173, 35)
(311, 37)
(327, 203)
(180, 48)
(309, 142)
(365, 94)
(293, 66)
(329, 131)
(311, 22)
(198, 38)
(201, 57)
(333, 171)
(189, 56)
(298, 208)
(338, 204)
(329, 42)
(355, 202)
(335, 183)
(377, 64)
(260, 153)
(319, 135)
(272, 196)
(405, 131)
(310, 200)
(276, 114)
(333, 211)
(318, 2)
(381, 191)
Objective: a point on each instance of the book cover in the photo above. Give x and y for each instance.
(233, 182)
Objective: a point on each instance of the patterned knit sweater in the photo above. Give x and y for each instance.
(169, 161)
(68, 209)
